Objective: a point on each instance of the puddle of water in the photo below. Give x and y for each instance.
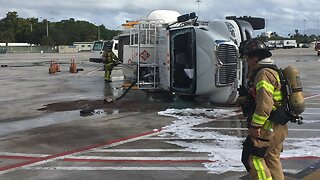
(48, 119)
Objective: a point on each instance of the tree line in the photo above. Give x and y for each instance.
(300, 38)
(47, 33)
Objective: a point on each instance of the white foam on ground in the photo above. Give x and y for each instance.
(225, 150)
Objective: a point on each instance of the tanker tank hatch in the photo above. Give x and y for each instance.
(168, 16)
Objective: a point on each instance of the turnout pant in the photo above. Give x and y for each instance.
(107, 71)
(261, 156)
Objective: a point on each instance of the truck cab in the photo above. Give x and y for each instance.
(100, 46)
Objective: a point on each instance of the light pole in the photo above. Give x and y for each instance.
(267, 30)
(47, 25)
(198, 1)
(318, 24)
(98, 33)
(304, 27)
(47, 28)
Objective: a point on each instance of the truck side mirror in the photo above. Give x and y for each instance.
(193, 15)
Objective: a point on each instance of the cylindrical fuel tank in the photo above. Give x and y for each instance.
(296, 99)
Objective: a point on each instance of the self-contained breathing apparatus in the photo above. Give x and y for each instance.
(293, 100)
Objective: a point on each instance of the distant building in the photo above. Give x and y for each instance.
(83, 46)
(67, 49)
(17, 44)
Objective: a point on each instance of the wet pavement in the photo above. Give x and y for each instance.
(44, 136)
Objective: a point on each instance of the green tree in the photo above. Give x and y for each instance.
(7, 36)
(64, 32)
(47, 41)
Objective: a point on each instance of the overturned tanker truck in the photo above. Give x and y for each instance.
(180, 54)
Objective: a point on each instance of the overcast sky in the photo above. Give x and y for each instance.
(283, 16)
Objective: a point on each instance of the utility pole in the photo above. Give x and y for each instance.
(267, 34)
(47, 28)
(98, 33)
(198, 1)
(304, 27)
(318, 24)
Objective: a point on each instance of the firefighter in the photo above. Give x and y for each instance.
(109, 59)
(264, 143)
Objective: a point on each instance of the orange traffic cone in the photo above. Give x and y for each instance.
(57, 66)
(73, 66)
(52, 69)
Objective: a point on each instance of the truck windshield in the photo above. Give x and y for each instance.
(97, 46)
(183, 60)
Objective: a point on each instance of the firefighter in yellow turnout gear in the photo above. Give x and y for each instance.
(264, 143)
(109, 60)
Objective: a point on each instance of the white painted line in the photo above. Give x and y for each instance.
(229, 120)
(64, 156)
(119, 168)
(244, 129)
(140, 158)
(213, 139)
(22, 154)
(174, 168)
(309, 103)
(310, 113)
(142, 150)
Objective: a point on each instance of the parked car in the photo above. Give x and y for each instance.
(305, 46)
(3, 50)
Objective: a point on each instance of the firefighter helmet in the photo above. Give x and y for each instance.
(108, 46)
(254, 47)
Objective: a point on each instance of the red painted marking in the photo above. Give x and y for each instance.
(135, 161)
(35, 160)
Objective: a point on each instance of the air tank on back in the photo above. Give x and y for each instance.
(296, 99)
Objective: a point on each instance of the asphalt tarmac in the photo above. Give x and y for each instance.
(61, 126)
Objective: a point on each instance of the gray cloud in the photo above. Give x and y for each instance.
(282, 17)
